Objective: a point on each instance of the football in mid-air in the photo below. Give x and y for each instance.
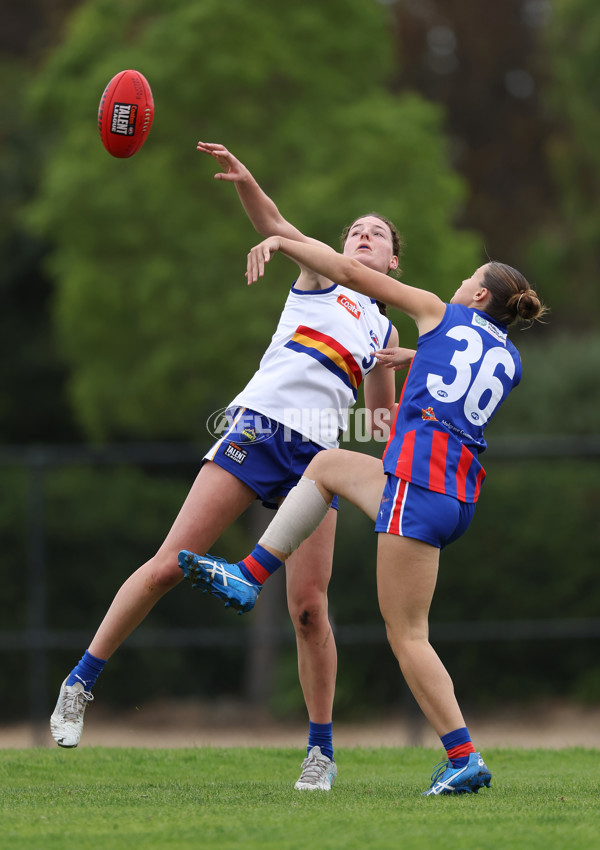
(125, 113)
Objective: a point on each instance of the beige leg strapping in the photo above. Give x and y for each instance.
(300, 514)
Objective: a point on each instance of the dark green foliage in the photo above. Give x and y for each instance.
(142, 263)
(148, 254)
(32, 398)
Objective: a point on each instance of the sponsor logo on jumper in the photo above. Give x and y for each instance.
(467, 439)
(492, 329)
(428, 414)
(236, 454)
(349, 305)
(123, 119)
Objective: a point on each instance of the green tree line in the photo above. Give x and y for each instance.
(126, 315)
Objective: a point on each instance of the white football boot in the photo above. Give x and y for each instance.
(318, 772)
(66, 723)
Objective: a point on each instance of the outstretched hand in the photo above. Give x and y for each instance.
(233, 169)
(258, 256)
(395, 358)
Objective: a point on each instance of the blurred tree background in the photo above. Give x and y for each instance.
(126, 317)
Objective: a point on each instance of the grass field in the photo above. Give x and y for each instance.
(208, 798)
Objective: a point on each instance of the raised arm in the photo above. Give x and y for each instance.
(262, 210)
(421, 305)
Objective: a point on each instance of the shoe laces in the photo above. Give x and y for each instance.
(314, 766)
(438, 770)
(74, 703)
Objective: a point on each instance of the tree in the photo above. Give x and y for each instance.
(484, 63)
(567, 250)
(33, 406)
(148, 253)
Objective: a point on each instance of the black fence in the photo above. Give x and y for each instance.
(36, 640)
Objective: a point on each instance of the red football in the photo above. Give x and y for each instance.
(125, 113)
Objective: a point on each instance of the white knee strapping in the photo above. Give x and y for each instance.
(301, 513)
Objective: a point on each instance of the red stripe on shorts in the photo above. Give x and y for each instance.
(396, 515)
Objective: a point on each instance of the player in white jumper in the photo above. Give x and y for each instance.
(325, 343)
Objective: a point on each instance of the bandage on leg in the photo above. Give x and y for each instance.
(300, 514)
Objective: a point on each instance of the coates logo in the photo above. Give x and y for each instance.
(349, 305)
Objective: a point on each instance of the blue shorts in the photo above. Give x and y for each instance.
(412, 511)
(265, 455)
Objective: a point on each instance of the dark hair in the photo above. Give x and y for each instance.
(397, 245)
(512, 298)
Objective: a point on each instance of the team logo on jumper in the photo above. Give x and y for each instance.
(123, 119)
(349, 305)
(236, 454)
(428, 415)
(248, 435)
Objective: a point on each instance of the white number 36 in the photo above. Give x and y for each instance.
(475, 378)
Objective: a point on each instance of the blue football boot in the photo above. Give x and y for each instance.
(220, 578)
(460, 780)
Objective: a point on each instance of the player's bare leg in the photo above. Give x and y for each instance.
(308, 572)
(407, 572)
(215, 500)
(406, 577)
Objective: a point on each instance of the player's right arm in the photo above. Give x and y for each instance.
(260, 208)
(262, 211)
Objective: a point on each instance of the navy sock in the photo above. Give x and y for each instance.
(458, 746)
(87, 671)
(320, 735)
(259, 565)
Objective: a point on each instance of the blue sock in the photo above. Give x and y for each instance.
(320, 735)
(87, 671)
(458, 746)
(259, 565)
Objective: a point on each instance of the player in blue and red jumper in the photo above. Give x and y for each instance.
(423, 495)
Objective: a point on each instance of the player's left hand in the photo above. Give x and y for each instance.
(395, 358)
(258, 256)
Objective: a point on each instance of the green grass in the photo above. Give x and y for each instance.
(98, 798)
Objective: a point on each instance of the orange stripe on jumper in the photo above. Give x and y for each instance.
(332, 349)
